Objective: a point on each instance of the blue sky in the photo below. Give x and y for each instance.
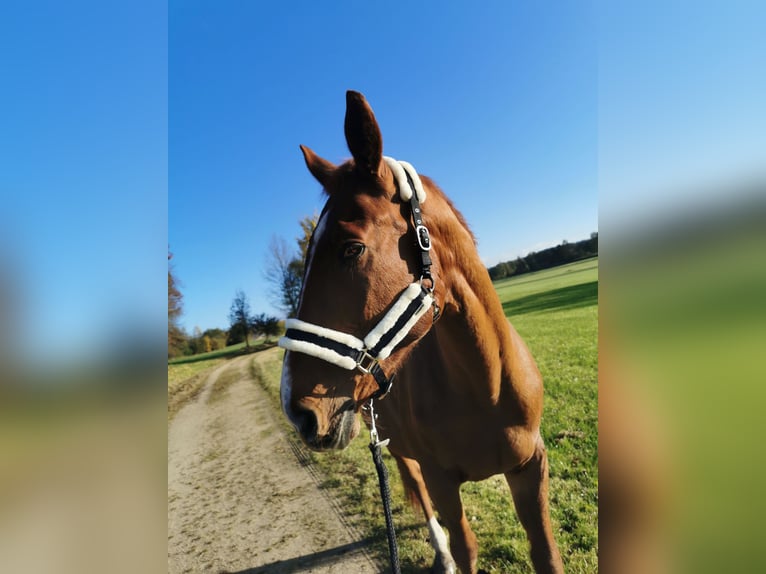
(498, 104)
(83, 150)
(681, 115)
(131, 127)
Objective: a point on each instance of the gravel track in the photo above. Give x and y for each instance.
(242, 497)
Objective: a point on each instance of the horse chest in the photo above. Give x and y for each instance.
(452, 432)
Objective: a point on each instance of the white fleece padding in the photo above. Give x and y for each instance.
(390, 318)
(415, 180)
(338, 336)
(405, 191)
(285, 386)
(319, 352)
(315, 237)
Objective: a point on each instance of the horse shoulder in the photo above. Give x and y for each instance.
(524, 379)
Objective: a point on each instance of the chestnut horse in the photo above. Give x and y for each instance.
(468, 397)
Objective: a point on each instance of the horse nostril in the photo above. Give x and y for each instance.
(306, 422)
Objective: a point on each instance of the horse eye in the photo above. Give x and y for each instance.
(353, 250)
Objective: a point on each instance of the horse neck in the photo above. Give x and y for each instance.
(473, 327)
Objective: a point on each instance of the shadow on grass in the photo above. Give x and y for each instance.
(224, 354)
(572, 297)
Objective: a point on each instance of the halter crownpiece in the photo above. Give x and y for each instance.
(401, 170)
(349, 352)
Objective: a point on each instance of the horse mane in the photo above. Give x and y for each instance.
(433, 188)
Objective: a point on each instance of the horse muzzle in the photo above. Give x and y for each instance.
(335, 434)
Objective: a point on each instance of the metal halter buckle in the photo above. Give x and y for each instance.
(424, 238)
(366, 363)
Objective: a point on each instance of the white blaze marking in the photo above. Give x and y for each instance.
(285, 387)
(320, 228)
(438, 537)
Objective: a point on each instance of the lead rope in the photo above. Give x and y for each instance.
(424, 243)
(385, 492)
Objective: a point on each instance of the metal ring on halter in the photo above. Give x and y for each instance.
(366, 362)
(428, 277)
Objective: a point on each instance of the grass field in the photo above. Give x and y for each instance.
(556, 312)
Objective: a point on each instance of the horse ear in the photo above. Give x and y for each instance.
(363, 134)
(320, 168)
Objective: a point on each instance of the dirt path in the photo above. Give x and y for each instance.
(239, 499)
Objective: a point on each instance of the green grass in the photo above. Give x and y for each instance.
(556, 312)
(179, 372)
(225, 353)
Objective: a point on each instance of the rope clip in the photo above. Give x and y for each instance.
(427, 277)
(373, 429)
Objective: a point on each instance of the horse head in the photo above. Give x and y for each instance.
(363, 267)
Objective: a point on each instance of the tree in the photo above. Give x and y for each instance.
(284, 272)
(217, 338)
(239, 315)
(176, 336)
(235, 335)
(308, 225)
(591, 245)
(502, 270)
(285, 267)
(265, 325)
(521, 265)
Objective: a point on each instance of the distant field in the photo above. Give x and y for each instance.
(556, 312)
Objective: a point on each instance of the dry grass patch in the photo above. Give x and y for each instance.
(183, 392)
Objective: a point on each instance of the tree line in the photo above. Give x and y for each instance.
(243, 325)
(562, 253)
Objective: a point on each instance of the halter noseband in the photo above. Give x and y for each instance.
(349, 352)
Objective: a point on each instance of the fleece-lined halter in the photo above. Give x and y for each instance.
(349, 352)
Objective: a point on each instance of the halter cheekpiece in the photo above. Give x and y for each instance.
(349, 352)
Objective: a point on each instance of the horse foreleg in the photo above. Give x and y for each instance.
(445, 492)
(412, 478)
(529, 487)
